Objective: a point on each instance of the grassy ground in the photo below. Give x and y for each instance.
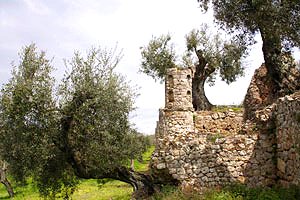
(143, 166)
(28, 192)
(87, 189)
(90, 190)
(233, 192)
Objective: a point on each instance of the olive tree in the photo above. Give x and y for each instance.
(28, 113)
(29, 117)
(278, 23)
(4, 168)
(95, 106)
(84, 133)
(208, 54)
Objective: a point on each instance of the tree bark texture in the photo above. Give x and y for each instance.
(281, 66)
(202, 72)
(143, 184)
(200, 101)
(5, 181)
(272, 55)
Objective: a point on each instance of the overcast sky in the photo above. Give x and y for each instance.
(60, 27)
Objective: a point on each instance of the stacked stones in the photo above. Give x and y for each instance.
(178, 89)
(259, 93)
(288, 139)
(177, 117)
(206, 159)
(224, 123)
(204, 149)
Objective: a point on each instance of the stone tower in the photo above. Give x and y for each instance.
(178, 89)
(177, 116)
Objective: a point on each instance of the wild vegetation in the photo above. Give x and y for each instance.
(231, 192)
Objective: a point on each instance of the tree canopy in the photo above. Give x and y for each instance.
(278, 23)
(83, 133)
(28, 113)
(157, 57)
(210, 54)
(281, 18)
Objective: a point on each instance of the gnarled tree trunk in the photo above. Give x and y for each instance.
(202, 72)
(143, 184)
(272, 55)
(200, 101)
(281, 67)
(4, 180)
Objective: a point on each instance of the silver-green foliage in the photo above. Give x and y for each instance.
(84, 132)
(98, 101)
(271, 17)
(157, 57)
(28, 114)
(221, 56)
(277, 22)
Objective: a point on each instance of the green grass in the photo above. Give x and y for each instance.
(143, 166)
(90, 190)
(233, 192)
(116, 190)
(87, 189)
(27, 192)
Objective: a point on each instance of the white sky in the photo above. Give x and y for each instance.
(62, 26)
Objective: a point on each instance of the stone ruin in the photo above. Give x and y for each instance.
(206, 148)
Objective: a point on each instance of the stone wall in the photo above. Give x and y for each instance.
(224, 123)
(261, 92)
(215, 155)
(287, 121)
(204, 149)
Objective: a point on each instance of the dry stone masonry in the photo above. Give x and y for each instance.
(204, 149)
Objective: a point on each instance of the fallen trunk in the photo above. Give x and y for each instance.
(144, 185)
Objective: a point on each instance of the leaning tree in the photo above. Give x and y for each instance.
(95, 129)
(278, 23)
(207, 53)
(83, 133)
(4, 180)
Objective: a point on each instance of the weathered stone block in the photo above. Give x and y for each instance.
(161, 166)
